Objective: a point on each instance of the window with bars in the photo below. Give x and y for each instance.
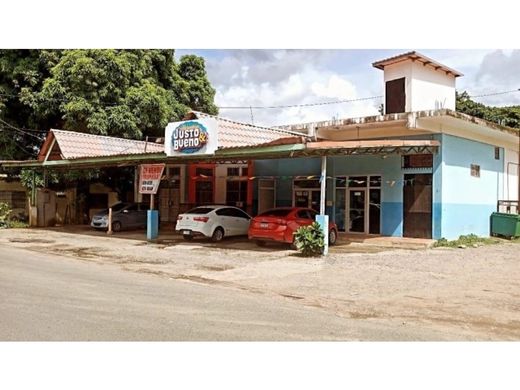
(15, 199)
(204, 171)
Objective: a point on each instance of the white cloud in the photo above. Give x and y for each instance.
(336, 87)
(288, 77)
(285, 77)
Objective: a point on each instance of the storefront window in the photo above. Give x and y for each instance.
(308, 183)
(357, 181)
(204, 171)
(236, 193)
(375, 181)
(235, 171)
(341, 182)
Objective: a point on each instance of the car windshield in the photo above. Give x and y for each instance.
(200, 210)
(115, 208)
(119, 206)
(276, 213)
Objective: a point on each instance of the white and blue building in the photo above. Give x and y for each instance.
(420, 170)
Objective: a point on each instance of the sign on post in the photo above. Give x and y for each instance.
(150, 177)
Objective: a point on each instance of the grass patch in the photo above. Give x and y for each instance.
(469, 240)
(18, 225)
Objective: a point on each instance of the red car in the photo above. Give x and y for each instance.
(280, 224)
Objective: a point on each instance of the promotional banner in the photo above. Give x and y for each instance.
(150, 177)
(197, 136)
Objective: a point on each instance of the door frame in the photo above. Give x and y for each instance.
(367, 201)
(365, 210)
(309, 190)
(406, 214)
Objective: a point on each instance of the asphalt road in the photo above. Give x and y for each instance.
(56, 298)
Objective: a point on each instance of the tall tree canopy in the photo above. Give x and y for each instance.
(506, 116)
(122, 93)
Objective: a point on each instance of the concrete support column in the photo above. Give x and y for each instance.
(323, 219)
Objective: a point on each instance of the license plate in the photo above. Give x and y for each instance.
(264, 225)
(186, 232)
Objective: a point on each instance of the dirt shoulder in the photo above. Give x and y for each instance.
(471, 293)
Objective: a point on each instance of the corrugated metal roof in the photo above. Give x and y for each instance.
(73, 145)
(415, 56)
(233, 134)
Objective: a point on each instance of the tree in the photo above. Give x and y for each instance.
(123, 93)
(22, 70)
(506, 116)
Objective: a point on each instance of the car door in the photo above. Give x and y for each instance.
(303, 218)
(225, 219)
(240, 221)
(125, 216)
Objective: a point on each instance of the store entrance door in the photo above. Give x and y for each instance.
(307, 198)
(357, 212)
(417, 207)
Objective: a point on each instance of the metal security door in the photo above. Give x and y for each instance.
(417, 206)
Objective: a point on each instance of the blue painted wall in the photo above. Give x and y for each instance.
(389, 168)
(462, 204)
(467, 201)
(391, 187)
(284, 171)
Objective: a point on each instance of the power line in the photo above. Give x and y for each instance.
(300, 105)
(496, 93)
(250, 107)
(19, 130)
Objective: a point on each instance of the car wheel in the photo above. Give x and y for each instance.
(116, 226)
(187, 237)
(218, 235)
(260, 243)
(333, 236)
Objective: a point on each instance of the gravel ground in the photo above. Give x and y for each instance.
(473, 293)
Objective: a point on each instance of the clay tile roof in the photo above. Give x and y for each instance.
(74, 145)
(233, 134)
(415, 56)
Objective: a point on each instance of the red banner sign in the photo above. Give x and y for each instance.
(150, 177)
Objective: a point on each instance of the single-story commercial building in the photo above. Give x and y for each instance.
(420, 170)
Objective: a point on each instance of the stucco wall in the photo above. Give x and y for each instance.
(510, 175)
(425, 87)
(467, 201)
(284, 171)
(431, 89)
(389, 167)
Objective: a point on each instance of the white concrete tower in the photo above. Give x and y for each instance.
(414, 82)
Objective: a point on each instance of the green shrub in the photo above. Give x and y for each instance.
(465, 240)
(14, 224)
(310, 240)
(5, 211)
(5, 218)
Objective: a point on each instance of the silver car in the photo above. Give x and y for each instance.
(124, 216)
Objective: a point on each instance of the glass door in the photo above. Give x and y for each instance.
(357, 210)
(315, 200)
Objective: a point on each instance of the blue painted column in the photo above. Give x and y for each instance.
(152, 225)
(322, 218)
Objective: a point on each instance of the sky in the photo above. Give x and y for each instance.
(287, 77)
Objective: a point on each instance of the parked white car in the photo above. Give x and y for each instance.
(213, 221)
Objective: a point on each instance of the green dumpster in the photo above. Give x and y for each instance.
(504, 224)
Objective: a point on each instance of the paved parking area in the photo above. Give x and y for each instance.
(470, 294)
